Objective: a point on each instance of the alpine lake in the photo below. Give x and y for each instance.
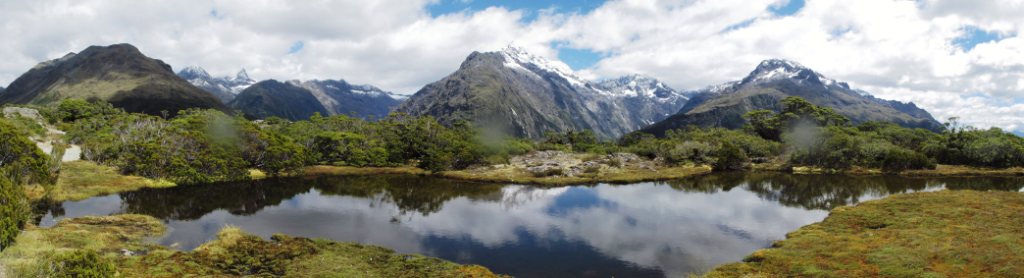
(650, 229)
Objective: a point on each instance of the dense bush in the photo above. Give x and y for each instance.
(702, 146)
(70, 110)
(81, 264)
(21, 161)
(966, 145)
(14, 209)
(899, 159)
(730, 157)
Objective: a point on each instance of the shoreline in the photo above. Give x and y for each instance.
(84, 179)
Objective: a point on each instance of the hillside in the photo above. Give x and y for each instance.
(119, 74)
(298, 100)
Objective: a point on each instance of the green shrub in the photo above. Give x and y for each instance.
(14, 209)
(729, 157)
(899, 159)
(82, 264)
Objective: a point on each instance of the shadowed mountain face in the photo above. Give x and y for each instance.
(119, 74)
(516, 93)
(773, 80)
(224, 87)
(298, 100)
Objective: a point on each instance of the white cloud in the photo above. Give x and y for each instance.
(896, 49)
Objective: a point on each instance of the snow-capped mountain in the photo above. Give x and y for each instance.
(527, 95)
(774, 79)
(224, 87)
(298, 100)
(636, 85)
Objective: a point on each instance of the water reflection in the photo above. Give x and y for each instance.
(639, 230)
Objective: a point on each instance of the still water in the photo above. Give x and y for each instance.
(637, 230)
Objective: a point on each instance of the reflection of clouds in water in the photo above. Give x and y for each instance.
(307, 215)
(653, 226)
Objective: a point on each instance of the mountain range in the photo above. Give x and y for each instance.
(298, 100)
(517, 93)
(772, 80)
(119, 74)
(509, 91)
(224, 87)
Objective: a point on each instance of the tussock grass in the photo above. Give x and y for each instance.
(929, 234)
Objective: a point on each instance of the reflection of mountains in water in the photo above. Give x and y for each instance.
(830, 191)
(426, 195)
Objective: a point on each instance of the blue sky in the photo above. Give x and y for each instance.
(576, 58)
(974, 36)
(532, 7)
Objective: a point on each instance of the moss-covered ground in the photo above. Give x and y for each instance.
(930, 234)
(121, 243)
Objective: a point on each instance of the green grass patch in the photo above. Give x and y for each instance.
(930, 234)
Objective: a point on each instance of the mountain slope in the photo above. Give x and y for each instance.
(724, 105)
(225, 88)
(516, 93)
(273, 98)
(118, 73)
(298, 100)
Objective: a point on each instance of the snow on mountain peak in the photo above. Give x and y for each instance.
(517, 57)
(636, 85)
(191, 72)
(777, 69)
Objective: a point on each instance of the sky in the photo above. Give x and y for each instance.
(955, 58)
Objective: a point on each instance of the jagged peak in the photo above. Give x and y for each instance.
(242, 75)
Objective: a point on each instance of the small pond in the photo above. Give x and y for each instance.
(652, 229)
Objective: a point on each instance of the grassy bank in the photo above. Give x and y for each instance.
(931, 234)
(939, 171)
(964, 171)
(83, 179)
(625, 175)
(117, 244)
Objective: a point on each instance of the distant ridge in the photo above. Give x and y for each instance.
(298, 100)
(724, 105)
